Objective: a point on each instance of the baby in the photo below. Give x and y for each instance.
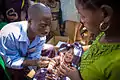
(66, 56)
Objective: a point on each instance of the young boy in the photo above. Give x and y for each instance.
(21, 42)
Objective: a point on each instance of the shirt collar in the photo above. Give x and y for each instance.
(23, 31)
(37, 41)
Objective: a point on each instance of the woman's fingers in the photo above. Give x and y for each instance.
(66, 67)
(60, 71)
(63, 70)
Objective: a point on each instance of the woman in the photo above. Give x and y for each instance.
(101, 61)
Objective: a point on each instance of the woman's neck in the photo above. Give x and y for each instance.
(113, 32)
(105, 39)
(112, 35)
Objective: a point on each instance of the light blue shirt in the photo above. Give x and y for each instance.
(15, 46)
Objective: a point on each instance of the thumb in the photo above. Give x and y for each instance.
(72, 68)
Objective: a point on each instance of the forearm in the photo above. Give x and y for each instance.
(30, 63)
(42, 62)
(76, 77)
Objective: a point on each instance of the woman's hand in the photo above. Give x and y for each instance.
(70, 72)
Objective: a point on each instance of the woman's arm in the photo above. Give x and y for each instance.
(71, 72)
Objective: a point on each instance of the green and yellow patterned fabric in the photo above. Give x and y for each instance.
(101, 61)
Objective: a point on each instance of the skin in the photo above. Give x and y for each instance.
(39, 22)
(88, 18)
(68, 57)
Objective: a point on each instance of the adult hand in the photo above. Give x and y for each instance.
(51, 66)
(70, 72)
(43, 62)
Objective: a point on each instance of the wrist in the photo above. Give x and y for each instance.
(30, 63)
(35, 62)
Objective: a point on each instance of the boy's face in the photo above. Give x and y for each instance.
(69, 56)
(41, 25)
